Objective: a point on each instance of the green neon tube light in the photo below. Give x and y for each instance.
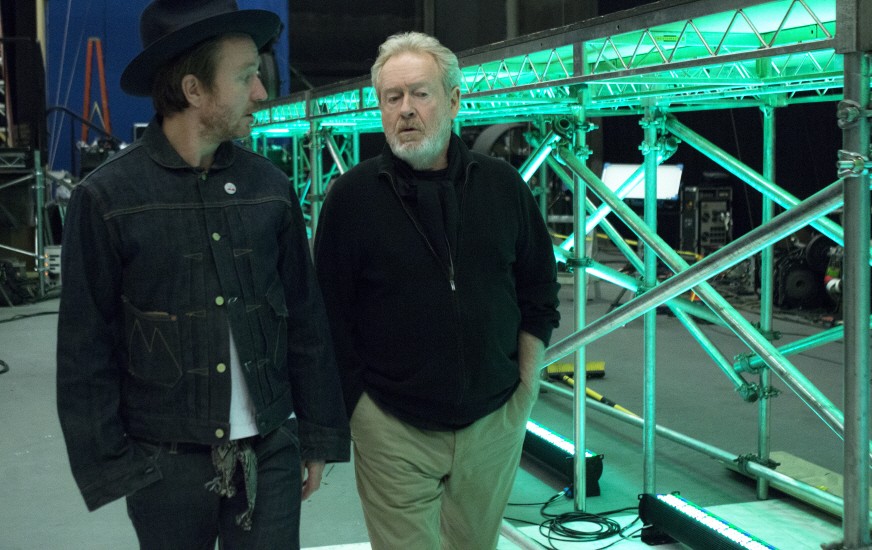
(555, 439)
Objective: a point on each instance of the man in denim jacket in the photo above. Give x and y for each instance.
(195, 367)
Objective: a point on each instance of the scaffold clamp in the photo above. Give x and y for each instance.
(770, 391)
(743, 460)
(654, 117)
(770, 335)
(582, 262)
(564, 127)
(849, 113)
(749, 391)
(852, 164)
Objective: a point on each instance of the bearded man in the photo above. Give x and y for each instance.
(196, 375)
(441, 292)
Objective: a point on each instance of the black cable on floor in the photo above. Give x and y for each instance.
(546, 503)
(577, 526)
(4, 368)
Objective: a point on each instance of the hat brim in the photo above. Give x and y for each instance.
(137, 77)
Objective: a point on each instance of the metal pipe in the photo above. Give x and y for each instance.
(609, 229)
(315, 174)
(538, 156)
(621, 279)
(688, 277)
(826, 226)
(512, 18)
(597, 213)
(355, 147)
(750, 362)
(578, 136)
(296, 171)
(543, 178)
(621, 192)
(855, 139)
(566, 178)
(611, 275)
(41, 262)
(29, 253)
(579, 412)
(335, 153)
(625, 281)
(696, 309)
(814, 496)
(649, 277)
(822, 202)
(16, 181)
(671, 435)
(560, 171)
(517, 538)
(747, 391)
(767, 290)
(604, 210)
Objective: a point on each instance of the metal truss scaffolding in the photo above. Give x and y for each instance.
(650, 63)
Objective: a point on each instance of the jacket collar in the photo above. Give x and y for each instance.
(162, 152)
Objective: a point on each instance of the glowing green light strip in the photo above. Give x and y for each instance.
(555, 439)
(753, 28)
(711, 59)
(714, 523)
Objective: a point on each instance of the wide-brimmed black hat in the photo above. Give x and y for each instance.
(168, 28)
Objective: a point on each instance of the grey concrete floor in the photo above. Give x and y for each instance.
(40, 507)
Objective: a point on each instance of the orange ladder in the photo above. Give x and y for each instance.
(95, 47)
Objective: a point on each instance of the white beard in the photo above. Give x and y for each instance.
(425, 154)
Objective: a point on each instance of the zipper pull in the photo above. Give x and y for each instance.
(451, 277)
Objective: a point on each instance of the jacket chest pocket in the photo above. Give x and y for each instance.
(153, 348)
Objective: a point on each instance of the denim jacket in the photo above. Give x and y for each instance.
(160, 263)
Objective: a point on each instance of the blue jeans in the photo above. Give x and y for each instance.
(179, 512)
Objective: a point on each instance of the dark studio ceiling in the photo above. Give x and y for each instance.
(333, 40)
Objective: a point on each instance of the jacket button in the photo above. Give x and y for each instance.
(219, 433)
(221, 367)
(216, 236)
(219, 301)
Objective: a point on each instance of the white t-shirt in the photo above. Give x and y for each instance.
(242, 412)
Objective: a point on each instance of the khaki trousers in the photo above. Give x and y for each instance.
(433, 490)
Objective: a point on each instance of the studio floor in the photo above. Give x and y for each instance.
(40, 507)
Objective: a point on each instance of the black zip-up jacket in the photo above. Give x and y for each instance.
(160, 261)
(436, 346)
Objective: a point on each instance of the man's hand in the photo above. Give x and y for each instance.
(531, 354)
(311, 471)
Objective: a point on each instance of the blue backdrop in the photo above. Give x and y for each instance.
(69, 25)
